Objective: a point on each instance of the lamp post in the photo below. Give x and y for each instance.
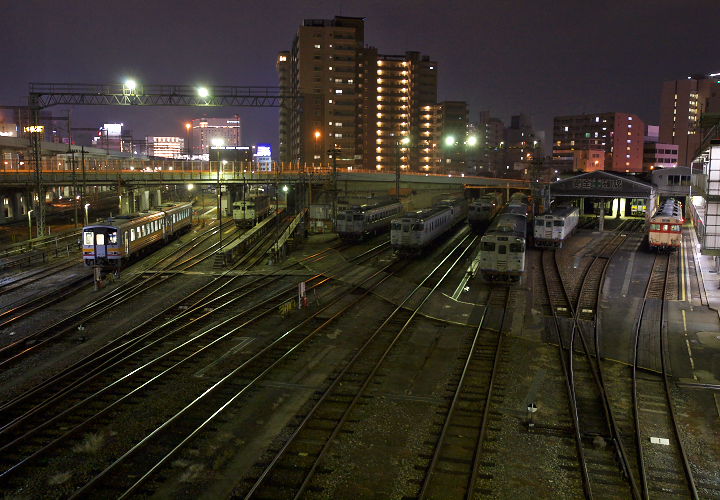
(400, 144)
(218, 142)
(188, 126)
(30, 225)
(317, 137)
(87, 205)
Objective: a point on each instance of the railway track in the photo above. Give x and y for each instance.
(11, 283)
(312, 437)
(454, 462)
(663, 464)
(603, 459)
(55, 412)
(136, 285)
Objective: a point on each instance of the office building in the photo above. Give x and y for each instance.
(165, 147)
(682, 105)
(491, 138)
(619, 135)
(204, 130)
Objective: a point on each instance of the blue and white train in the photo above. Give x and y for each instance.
(111, 243)
(356, 223)
(415, 231)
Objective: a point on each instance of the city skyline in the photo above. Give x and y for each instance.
(508, 62)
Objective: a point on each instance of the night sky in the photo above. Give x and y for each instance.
(542, 58)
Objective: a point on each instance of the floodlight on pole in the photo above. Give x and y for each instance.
(472, 140)
(203, 92)
(450, 140)
(130, 84)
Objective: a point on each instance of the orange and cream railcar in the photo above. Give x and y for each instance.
(665, 231)
(120, 238)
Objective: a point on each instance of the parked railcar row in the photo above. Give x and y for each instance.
(415, 231)
(358, 222)
(120, 238)
(665, 229)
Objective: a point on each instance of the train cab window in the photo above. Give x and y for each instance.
(99, 238)
(516, 247)
(655, 227)
(558, 223)
(358, 217)
(502, 249)
(395, 226)
(675, 228)
(539, 222)
(418, 227)
(548, 223)
(87, 238)
(488, 246)
(112, 238)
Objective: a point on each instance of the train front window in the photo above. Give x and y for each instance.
(548, 223)
(502, 249)
(539, 222)
(488, 246)
(87, 238)
(99, 238)
(516, 247)
(396, 226)
(558, 223)
(358, 217)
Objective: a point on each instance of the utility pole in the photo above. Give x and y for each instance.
(35, 130)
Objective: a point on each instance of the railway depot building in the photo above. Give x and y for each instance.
(607, 193)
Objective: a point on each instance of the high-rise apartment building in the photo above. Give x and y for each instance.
(619, 135)
(452, 135)
(353, 102)
(321, 70)
(204, 130)
(682, 104)
(165, 147)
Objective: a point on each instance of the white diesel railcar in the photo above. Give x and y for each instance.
(120, 238)
(554, 227)
(412, 233)
(355, 223)
(502, 248)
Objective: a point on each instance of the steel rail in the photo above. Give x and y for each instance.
(363, 386)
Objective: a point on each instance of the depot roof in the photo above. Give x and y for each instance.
(601, 184)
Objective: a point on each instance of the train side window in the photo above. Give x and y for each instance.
(558, 223)
(112, 238)
(664, 227)
(502, 249)
(132, 234)
(88, 238)
(127, 236)
(488, 246)
(655, 227)
(675, 227)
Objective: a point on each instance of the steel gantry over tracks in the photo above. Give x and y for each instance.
(43, 95)
(130, 93)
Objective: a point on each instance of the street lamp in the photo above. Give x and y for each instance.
(218, 142)
(87, 205)
(317, 137)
